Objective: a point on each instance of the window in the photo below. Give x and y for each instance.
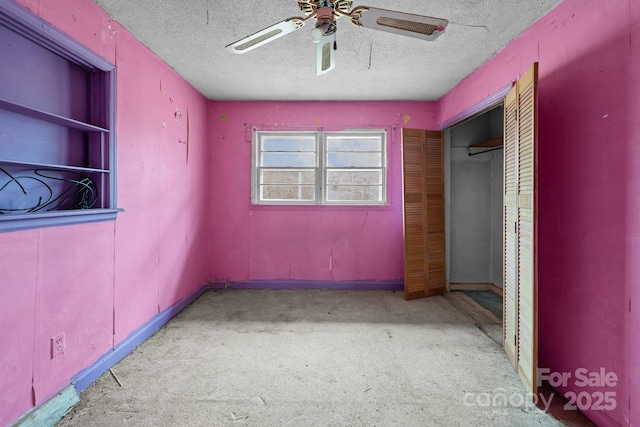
(346, 168)
(57, 122)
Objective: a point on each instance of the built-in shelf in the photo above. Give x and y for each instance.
(50, 117)
(496, 142)
(50, 158)
(51, 166)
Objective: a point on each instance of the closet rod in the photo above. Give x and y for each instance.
(485, 151)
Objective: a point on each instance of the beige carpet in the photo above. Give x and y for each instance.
(312, 358)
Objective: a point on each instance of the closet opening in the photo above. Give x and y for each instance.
(473, 166)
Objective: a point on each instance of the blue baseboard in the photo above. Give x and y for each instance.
(391, 285)
(50, 412)
(83, 379)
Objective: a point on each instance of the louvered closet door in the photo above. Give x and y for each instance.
(423, 186)
(510, 231)
(520, 200)
(527, 319)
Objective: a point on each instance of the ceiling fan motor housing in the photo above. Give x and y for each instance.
(326, 20)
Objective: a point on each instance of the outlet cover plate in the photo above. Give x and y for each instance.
(57, 346)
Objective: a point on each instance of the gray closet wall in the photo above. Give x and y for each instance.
(474, 208)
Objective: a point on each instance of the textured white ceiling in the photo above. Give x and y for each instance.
(190, 36)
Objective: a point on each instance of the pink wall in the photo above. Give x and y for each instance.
(631, 237)
(295, 243)
(589, 201)
(99, 282)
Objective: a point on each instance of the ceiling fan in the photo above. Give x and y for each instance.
(326, 13)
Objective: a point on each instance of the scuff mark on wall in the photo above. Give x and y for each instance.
(111, 33)
(365, 221)
(331, 265)
(187, 140)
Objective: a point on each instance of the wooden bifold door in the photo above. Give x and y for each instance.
(423, 186)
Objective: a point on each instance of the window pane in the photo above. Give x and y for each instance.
(288, 177)
(354, 144)
(354, 159)
(289, 144)
(345, 177)
(366, 193)
(280, 159)
(288, 192)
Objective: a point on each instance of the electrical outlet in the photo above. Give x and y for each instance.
(57, 346)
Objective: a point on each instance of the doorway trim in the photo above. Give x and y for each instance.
(470, 113)
(480, 107)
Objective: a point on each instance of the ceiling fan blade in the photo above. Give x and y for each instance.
(406, 24)
(325, 57)
(265, 36)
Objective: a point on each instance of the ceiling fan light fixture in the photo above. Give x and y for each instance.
(316, 35)
(323, 28)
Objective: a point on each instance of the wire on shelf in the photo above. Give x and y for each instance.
(74, 191)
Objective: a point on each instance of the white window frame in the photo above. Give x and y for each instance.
(320, 168)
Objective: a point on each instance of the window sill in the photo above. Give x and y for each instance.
(329, 207)
(51, 219)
